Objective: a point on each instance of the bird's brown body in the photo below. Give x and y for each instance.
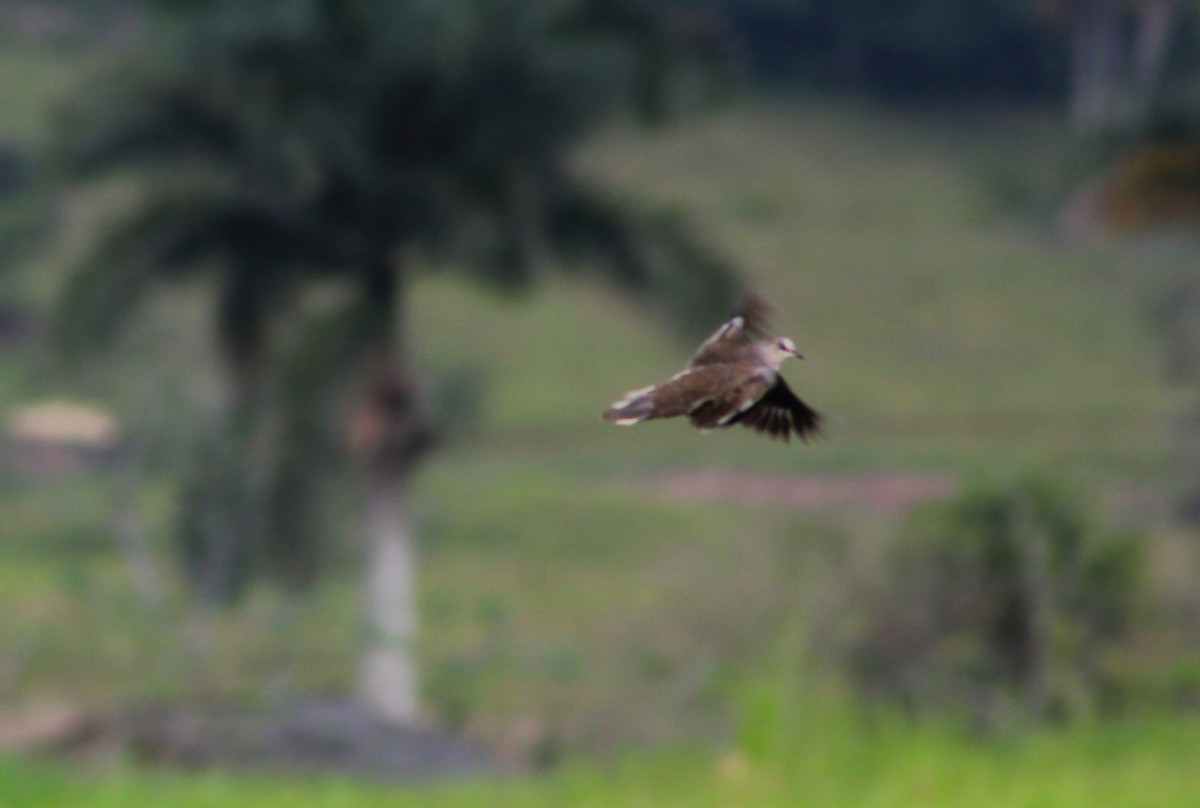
(732, 379)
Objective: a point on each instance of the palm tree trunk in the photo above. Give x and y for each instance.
(390, 436)
(389, 670)
(1116, 62)
(1155, 26)
(1096, 74)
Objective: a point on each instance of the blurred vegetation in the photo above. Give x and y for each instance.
(572, 606)
(1004, 604)
(1148, 193)
(826, 760)
(914, 50)
(313, 157)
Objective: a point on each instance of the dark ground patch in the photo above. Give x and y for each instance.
(329, 738)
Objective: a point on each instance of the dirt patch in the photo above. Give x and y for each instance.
(341, 738)
(46, 728)
(892, 491)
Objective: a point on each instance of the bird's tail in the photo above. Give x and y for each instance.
(632, 408)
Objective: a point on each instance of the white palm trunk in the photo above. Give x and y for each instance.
(1115, 72)
(1156, 24)
(1096, 65)
(389, 670)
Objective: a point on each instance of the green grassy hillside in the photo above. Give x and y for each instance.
(940, 326)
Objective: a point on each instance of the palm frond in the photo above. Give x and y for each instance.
(692, 283)
(316, 370)
(653, 257)
(177, 230)
(113, 278)
(151, 122)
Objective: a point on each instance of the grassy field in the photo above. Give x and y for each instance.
(1150, 764)
(948, 332)
(939, 327)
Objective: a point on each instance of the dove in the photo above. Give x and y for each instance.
(733, 378)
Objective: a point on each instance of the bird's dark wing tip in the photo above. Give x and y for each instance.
(780, 414)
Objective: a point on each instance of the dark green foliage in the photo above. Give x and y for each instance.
(253, 505)
(1003, 599)
(340, 133)
(281, 147)
(15, 169)
(22, 212)
(922, 49)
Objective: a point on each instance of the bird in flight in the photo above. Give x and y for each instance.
(732, 379)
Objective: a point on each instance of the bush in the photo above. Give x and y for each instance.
(1001, 603)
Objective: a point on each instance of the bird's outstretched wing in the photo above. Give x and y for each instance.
(735, 338)
(780, 413)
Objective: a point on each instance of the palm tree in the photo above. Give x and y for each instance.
(355, 144)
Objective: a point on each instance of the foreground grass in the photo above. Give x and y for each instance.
(834, 762)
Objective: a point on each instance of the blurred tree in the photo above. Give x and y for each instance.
(352, 144)
(1152, 188)
(1150, 157)
(1118, 51)
(1005, 592)
(913, 49)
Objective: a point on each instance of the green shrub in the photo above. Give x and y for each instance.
(1001, 603)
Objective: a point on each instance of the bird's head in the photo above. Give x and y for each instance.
(774, 351)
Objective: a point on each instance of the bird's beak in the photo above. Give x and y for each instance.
(797, 354)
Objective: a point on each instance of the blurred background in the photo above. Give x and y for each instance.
(309, 309)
